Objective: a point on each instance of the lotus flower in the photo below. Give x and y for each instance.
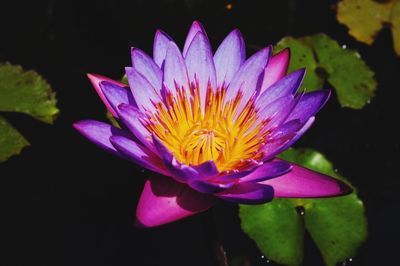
(209, 126)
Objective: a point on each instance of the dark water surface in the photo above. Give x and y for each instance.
(66, 202)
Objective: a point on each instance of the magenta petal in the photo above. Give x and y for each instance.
(175, 72)
(194, 29)
(160, 47)
(304, 183)
(276, 69)
(96, 80)
(229, 57)
(248, 80)
(145, 65)
(200, 65)
(144, 93)
(248, 193)
(164, 200)
(116, 94)
(267, 171)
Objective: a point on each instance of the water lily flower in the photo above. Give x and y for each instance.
(209, 126)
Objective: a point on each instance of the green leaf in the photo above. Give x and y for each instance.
(11, 141)
(325, 60)
(277, 229)
(337, 225)
(26, 92)
(301, 55)
(365, 18)
(125, 79)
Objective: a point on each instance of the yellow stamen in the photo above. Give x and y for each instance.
(220, 133)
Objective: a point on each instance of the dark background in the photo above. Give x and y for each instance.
(66, 202)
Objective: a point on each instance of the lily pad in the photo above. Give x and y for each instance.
(11, 141)
(24, 92)
(325, 60)
(365, 18)
(337, 225)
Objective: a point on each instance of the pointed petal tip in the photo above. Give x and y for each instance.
(81, 125)
(284, 53)
(302, 182)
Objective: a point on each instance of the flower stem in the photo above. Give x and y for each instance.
(215, 244)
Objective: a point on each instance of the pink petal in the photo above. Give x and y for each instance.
(164, 201)
(304, 183)
(194, 29)
(276, 68)
(95, 79)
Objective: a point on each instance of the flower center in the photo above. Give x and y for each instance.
(219, 131)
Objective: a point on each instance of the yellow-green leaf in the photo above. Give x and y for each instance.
(23, 92)
(11, 141)
(365, 18)
(326, 60)
(26, 92)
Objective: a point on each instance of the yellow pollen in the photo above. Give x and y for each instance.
(220, 133)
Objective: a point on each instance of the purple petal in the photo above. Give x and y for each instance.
(99, 133)
(160, 47)
(145, 65)
(116, 94)
(200, 65)
(281, 138)
(288, 128)
(207, 186)
(207, 169)
(285, 140)
(138, 154)
(304, 183)
(276, 69)
(180, 172)
(277, 111)
(285, 86)
(247, 80)
(267, 171)
(194, 29)
(309, 105)
(145, 95)
(229, 57)
(131, 117)
(175, 73)
(96, 80)
(248, 193)
(164, 200)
